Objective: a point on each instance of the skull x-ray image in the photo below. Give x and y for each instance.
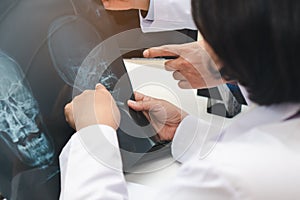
(23, 135)
(21, 126)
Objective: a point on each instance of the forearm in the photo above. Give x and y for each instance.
(141, 4)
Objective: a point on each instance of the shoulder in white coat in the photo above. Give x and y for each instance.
(257, 157)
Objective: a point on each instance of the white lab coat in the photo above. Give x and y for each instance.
(257, 157)
(168, 15)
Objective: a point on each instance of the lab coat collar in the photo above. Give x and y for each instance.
(273, 112)
(260, 116)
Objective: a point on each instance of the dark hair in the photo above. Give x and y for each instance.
(258, 42)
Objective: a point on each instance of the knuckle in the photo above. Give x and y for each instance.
(183, 63)
(66, 109)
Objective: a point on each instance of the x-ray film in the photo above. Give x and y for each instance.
(21, 126)
(22, 129)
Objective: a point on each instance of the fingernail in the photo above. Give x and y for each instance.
(131, 102)
(146, 53)
(98, 85)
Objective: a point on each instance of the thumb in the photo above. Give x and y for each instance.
(139, 105)
(166, 50)
(99, 86)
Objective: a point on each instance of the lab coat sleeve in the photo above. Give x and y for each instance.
(198, 179)
(195, 137)
(168, 15)
(91, 169)
(91, 166)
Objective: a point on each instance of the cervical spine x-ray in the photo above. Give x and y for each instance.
(21, 126)
(71, 40)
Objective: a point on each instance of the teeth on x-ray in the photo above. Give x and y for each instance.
(42, 155)
(21, 127)
(18, 112)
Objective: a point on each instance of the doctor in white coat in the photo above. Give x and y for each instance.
(257, 157)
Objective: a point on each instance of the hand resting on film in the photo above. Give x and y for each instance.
(163, 116)
(93, 107)
(98, 107)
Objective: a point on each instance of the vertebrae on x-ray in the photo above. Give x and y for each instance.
(95, 69)
(85, 77)
(21, 126)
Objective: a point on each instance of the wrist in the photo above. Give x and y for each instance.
(83, 123)
(183, 115)
(86, 125)
(142, 4)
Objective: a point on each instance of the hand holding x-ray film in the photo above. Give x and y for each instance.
(196, 65)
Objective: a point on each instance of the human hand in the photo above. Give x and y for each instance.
(126, 4)
(93, 107)
(163, 116)
(197, 66)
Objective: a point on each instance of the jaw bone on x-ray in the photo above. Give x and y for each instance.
(21, 126)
